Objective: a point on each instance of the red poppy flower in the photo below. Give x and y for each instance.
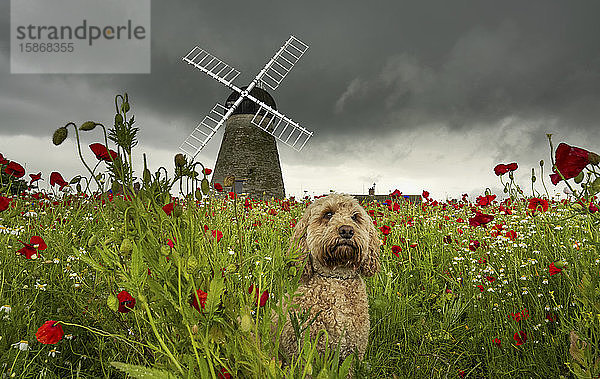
(126, 302)
(484, 201)
(385, 230)
(202, 296)
(207, 171)
(496, 342)
(35, 177)
(263, 298)
(396, 250)
(551, 317)
(30, 250)
(553, 269)
(536, 203)
(168, 208)
(170, 243)
(511, 234)
(56, 178)
(272, 212)
(473, 245)
(502, 169)
(4, 201)
(480, 219)
(520, 338)
(481, 289)
(217, 234)
(3, 160)
(231, 195)
(425, 194)
(15, 169)
(218, 187)
(570, 161)
(286, 206)
(49, 333)
(223, 374)
(593, 208)
(101, 152)
(396, 194)
(490, 279)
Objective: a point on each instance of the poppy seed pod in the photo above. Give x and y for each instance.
(60, 135)
(88, 125)
(112, 302)
(126, 246)
(179, 160)
(118, 119)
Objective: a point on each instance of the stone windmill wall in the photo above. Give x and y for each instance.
(249, 154)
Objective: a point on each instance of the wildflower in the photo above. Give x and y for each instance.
(168, 208)
(4, 201)
(102, 153)
(56, 178)
(484, 201)
(41, 287)
(396, 250)
(553, 269)
(263, 297)
(570, 161)
(126, 302)
(30, 250)
(473, 245)
(6, 308)
(35, 177)
(217, 234)
(425, 194)
(536, 203)
(224, 374)
(49, 333)
(207, 171)
(502, 169)
(480, 219)
(520, 337)
(218, 187)
(21, 345)
(385, 230)
(15, 169)
(52, 353)
(481, 289)
(496, 341)
(201, 296)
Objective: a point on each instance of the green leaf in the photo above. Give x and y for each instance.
(87, 259)
(345, 368)
(213, 298)
(142, 372)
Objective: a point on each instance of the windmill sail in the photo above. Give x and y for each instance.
(204, 131)
(281, 127)
(282, 62)
(212, 66)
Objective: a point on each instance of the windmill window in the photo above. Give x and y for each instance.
(238, 186)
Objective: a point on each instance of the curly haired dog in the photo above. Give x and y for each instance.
(338, 243)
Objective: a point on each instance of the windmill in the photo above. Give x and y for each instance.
(252, 123)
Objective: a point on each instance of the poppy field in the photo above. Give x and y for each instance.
(177, 278)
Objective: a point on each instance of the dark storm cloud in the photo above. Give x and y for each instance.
(372, 68)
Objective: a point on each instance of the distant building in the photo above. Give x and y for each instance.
(415, 199)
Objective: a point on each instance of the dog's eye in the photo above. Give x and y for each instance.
(328, 215)
(355, 217)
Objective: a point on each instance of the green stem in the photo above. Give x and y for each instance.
(81, 156)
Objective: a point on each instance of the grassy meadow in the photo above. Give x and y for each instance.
(148, 285)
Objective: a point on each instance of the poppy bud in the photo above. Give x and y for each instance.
(579, 178)
(88, 125)
(178, 211)
(78, 187)
(115, 187)
(229, 180)
(559, 264)
(118, 119)
(594, 158)
(198, 194)
(595, 186)
(112, 302)
(195, 329)
(165, 250)
(541, 163)
(205, 186)
(126, 246)
(59, 135)
(147, 176)
(192, 264)
(246, 323)
(125, 107)
(179, 160)
(577, 207)
(92, 241)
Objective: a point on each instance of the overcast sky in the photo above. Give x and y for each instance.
(408, 95)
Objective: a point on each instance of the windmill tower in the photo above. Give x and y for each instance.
(248, 150)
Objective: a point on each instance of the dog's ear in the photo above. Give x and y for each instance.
(298, 243)
(370, 264)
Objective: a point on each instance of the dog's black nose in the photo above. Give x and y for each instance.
(346, 231)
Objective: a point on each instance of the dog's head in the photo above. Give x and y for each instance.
(337, 238)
